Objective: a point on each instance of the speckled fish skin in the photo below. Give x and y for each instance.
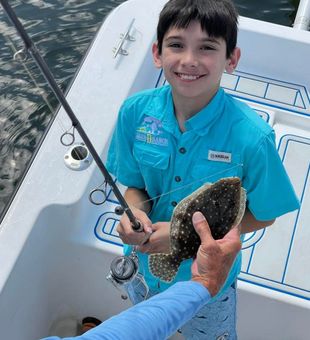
(223, 205)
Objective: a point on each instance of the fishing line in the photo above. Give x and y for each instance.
(30, 47)
(193, 182)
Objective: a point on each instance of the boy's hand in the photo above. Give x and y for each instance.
(130, 236)
(215, 257)
(159, 241)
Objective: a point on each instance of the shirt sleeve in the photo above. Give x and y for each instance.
(156, 318)
(269, 191)
(120, 160)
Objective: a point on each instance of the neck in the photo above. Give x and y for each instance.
(186, 108)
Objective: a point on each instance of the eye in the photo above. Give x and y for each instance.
(207, 48)
(175, 45)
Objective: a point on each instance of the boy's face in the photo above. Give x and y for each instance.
(193, 62)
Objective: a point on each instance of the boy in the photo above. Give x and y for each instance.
(171, 140)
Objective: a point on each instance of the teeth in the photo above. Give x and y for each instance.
(187, 76)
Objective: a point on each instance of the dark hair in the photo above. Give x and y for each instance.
(219, 18)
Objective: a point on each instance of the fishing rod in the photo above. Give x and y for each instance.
(31, 48)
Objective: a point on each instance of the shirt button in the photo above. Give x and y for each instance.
(174, 203)
(177, 178)
(182, 150)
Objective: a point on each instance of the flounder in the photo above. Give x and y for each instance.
(223, 205)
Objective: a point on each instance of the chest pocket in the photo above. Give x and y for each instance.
(153, 165)
(210, 171)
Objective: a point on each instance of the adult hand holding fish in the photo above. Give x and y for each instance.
(214, 257)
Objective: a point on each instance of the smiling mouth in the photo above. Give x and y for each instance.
(184, 76)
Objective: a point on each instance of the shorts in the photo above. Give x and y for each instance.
(215, 321)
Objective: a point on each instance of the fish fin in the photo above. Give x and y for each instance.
(242, 207)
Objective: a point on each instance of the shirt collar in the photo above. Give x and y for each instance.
(203, 120)
(162, 108)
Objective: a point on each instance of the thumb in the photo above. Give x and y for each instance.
(201, 226)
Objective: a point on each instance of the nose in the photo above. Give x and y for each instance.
(189, 59)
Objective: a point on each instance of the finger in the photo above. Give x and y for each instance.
(155, 227)
(201, 226)
(146, 231)
(124, 225)
(146, 238)
(146, 223)
(129, 236)
(233, 234)
(145, 248)
(123, 231)
(232, 239)
(147, 226)
(119, 228)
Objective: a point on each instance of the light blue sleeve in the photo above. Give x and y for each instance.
(156, 318)
(120, 160)
(269, 191)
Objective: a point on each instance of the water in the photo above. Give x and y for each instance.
(280, 12)
(62, 31)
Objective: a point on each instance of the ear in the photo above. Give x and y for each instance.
(233, 60)
(156, 56)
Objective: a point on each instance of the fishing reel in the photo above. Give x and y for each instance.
(124, 271)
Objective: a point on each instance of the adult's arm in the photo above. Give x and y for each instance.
(156, 318)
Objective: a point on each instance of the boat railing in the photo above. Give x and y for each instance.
(302, 19)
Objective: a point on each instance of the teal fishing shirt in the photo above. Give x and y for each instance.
(226, 138)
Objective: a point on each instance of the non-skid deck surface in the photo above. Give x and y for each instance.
(278, 257)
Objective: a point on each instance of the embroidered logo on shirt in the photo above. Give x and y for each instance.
(219, 156)
(150, 132)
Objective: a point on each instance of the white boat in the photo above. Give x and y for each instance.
(56, 246)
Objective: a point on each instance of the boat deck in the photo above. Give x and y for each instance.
(58, 246)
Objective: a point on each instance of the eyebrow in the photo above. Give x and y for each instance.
(179, 37)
